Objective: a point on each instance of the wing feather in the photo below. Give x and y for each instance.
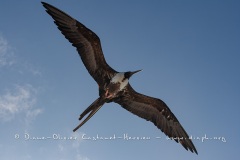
(156, 111)
(87, 43)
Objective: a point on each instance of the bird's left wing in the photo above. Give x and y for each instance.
(156, 111)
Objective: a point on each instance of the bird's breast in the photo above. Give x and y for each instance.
(123, 84)
(119, 80)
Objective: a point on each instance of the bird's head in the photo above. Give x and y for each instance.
(129, 74)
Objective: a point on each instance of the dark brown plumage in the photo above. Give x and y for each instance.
(156, 111)
(113, 85)
(87, 43)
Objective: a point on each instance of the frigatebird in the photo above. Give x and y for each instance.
(114, 86)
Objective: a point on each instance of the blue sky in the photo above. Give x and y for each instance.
(189, 52)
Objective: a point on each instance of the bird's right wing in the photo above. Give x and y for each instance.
(87, 43)
(156, 111)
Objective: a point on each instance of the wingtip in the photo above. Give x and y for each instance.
(188, 145)
(44, 3)
(195, 151)
(47, 5)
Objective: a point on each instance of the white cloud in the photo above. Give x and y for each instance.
(18, 100)
(21, 99)
(5, 53)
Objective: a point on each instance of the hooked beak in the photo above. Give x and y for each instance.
(132, 73)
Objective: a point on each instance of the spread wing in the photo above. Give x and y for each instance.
(87, 43)
(156, 111)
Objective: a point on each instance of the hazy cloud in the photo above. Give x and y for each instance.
(66, 150)
(8, 58)
(80, 157)
(77, 142)
(33, 113)
(18, 100)
(6, 55)
(76, 145)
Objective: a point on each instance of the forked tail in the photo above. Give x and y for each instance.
(93, 108)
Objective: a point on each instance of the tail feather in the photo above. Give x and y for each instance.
(93, 108)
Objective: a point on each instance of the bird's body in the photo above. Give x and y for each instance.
(114, 86)
(117, 84)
